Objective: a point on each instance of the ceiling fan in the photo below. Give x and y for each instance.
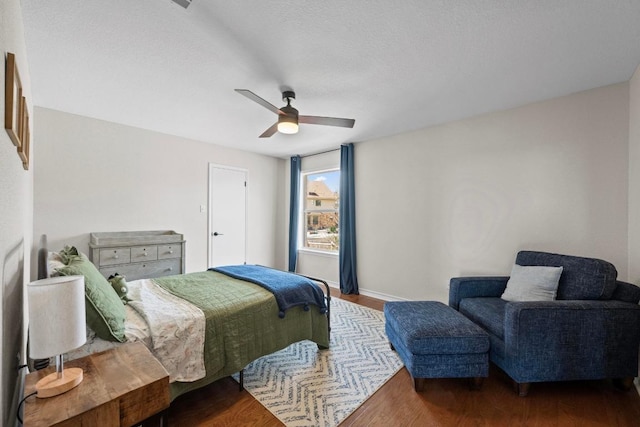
(288, 117)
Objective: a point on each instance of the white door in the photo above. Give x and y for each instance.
(227, 215)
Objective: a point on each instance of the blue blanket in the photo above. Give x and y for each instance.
(290, 290)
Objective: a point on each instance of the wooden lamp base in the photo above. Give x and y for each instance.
(51, 385)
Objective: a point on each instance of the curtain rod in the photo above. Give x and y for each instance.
(322, 152)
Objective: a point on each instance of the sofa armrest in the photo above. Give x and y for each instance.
(472, 287)
(626, 292)
(564, 335)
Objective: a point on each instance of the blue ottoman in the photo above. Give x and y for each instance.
(435, 341)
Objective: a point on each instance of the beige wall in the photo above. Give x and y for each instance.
(634, 178)
(93, 175)
(464, 197)
(16, 216)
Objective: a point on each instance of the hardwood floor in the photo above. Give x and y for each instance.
(445, 402)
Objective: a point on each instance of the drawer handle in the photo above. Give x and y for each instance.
(170, 252)
(116, 256)
(144, 254)
(170, 269)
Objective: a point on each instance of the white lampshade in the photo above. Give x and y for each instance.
(57, 322)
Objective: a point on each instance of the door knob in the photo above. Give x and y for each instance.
(215, 233)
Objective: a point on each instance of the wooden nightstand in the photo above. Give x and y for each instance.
(121, 387)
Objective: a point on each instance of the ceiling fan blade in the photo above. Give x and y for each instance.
(269, 132)
(266, 104)
(326, 121)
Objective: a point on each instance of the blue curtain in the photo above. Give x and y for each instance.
(348, 278)
(294, 213)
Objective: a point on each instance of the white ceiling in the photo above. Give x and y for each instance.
(393, 66)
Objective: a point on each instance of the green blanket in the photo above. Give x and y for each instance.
(242, 323)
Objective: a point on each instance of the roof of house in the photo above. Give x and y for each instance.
(319, 189)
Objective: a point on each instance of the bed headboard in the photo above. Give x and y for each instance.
(43, 256)
(43, 273)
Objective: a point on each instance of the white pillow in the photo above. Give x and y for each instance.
(532, 283)
(54, 260)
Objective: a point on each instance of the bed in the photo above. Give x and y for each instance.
(201, 326)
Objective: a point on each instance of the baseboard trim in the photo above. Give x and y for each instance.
(382, 296)
(369, 293)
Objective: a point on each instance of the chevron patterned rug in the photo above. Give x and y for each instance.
(302, 386)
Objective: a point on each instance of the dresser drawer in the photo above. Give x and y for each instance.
(144, 253)
(169, 251)
(146, 270)
(113, 256)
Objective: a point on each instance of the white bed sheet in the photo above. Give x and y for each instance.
(135, 329)
(172, 328)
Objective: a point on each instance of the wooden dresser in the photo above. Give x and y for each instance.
(138, 254)
(121, 387)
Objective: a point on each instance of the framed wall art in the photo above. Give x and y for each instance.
(23, 148)
(12, 100)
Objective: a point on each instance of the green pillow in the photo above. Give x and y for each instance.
(105, 311)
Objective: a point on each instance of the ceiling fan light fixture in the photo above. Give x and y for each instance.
(288, 125)
(288, 117)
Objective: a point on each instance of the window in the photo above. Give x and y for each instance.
(321, 203)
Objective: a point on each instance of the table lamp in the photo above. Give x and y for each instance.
(56, 325)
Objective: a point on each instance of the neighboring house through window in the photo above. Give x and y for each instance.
(321, 203)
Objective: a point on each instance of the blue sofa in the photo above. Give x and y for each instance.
(591, 330)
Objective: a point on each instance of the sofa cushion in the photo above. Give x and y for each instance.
(582, 278)
(430, 327)
(488, 313)
(532, 283)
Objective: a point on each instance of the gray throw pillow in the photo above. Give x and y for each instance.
(532, 283)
